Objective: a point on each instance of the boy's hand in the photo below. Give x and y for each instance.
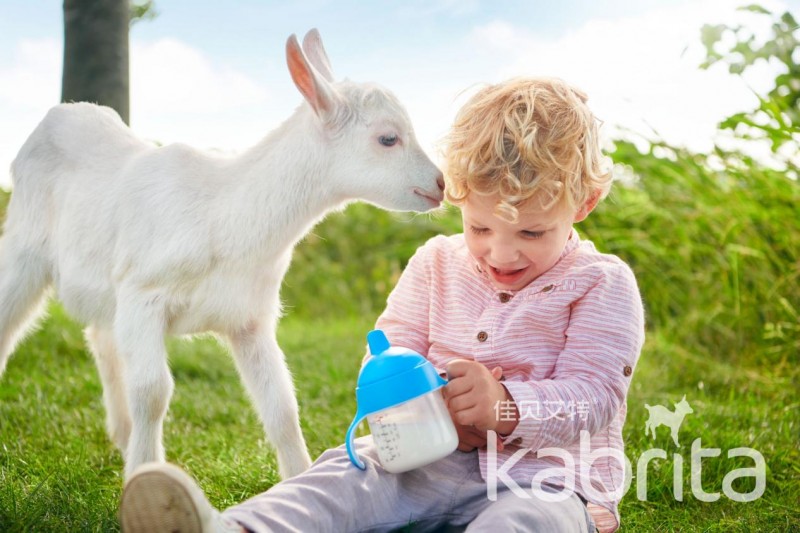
(472, 395)
(470, 438)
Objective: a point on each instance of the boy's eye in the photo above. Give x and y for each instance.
(533, 234)
(479, 231)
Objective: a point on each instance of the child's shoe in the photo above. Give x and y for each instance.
(160, 497)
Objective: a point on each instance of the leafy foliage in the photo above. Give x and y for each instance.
(777, 117)
(142, 10)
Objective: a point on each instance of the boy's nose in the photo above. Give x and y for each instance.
(504, 256)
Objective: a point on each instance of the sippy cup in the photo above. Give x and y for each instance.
(398, 393)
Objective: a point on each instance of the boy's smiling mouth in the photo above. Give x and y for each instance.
(506, 276)
(506, 271)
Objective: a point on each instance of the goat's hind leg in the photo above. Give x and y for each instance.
(111, 368)
(24, 279)
(263, 369)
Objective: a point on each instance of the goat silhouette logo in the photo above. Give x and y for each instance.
(661, 416)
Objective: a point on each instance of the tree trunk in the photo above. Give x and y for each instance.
(96, 53)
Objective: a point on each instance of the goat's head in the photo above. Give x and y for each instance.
(371, 148)
(683, 406)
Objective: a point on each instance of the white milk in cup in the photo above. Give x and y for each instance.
(399, 393)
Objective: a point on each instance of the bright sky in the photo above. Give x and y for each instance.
(213, 74)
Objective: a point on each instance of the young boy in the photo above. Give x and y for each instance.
(537, 332)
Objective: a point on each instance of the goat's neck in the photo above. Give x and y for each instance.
(283, 185)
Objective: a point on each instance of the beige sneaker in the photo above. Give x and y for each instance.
(160, 497)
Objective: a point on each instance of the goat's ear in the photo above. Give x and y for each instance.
(316, 90)
(315, 52)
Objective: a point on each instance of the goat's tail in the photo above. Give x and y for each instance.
(648, 407)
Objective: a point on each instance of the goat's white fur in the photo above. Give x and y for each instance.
(141, 241)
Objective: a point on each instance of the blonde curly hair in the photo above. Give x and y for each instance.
(526, 139)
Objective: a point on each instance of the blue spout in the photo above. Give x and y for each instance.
(377, 341)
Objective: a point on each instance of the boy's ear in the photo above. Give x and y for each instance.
(588, 206)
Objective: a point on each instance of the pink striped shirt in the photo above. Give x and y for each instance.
(567, 343)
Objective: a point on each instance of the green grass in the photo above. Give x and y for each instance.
(59, 472)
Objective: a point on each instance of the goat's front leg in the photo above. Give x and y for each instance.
(139, 331)
(262, 365)
(674, 433)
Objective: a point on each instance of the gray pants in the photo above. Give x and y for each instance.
(449, 495)
(335, 496)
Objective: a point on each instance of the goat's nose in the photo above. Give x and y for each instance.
(440, 181)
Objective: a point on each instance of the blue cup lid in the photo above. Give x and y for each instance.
(393, 375)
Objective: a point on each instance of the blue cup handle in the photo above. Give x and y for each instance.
(351, 452)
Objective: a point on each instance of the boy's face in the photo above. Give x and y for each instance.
(515, 254)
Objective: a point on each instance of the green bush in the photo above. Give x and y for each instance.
(715, 251)
(350, 262)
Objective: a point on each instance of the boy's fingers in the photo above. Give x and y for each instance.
(497, 372)
(457, 404)
(458, 367)
(464, 447)
(469, 438)
(471, 416)
(457, 386)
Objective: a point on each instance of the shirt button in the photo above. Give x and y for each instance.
(504, 297)
(482, 336)
(627, 370)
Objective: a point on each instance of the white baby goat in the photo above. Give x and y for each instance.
(141, 241)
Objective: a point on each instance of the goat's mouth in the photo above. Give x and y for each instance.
(434, 198)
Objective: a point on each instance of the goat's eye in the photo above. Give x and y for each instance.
(388, 140)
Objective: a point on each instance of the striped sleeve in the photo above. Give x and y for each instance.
(593, 371)
(406, 318)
